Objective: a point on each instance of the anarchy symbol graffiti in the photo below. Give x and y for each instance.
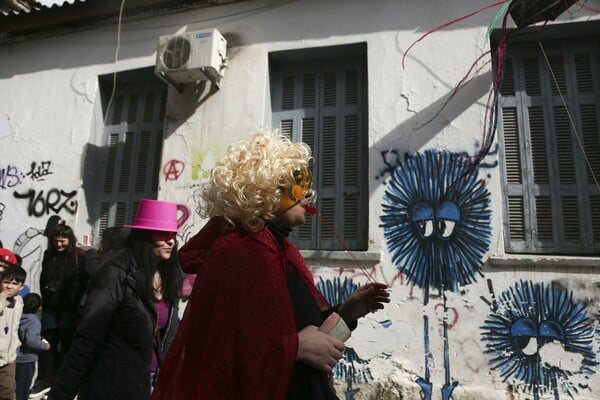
(173, 170)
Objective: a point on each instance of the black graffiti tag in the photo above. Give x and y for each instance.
(38, 172)
(54, 201)
(9, 177)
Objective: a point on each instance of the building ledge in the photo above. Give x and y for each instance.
(373, 257)
(543, 260)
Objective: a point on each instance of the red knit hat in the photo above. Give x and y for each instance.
(8, 256)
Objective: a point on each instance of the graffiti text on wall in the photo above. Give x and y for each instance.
(42, 203)
(11, 176)
(39, 172)
(393, 159)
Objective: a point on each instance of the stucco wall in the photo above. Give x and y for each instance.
(50, 110)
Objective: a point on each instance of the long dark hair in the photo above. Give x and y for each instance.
(62, 230)
(141, 247)
(113, 239)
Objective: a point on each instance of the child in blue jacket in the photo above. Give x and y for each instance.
(32, 343)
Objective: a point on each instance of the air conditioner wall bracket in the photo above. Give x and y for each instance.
(176, 85)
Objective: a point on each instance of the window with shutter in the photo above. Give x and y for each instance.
(320, 99)
(133, 136)
(550, 139)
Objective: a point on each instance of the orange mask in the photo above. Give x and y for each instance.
(299, 190)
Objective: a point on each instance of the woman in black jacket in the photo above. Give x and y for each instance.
(62, 282)
(130, 314)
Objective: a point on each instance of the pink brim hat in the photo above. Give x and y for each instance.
(156, 215)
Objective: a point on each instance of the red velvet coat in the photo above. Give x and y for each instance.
(238, 337)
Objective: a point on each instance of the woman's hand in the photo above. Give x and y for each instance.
(318, 349)
(366, 298)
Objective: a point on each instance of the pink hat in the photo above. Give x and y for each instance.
(156, 215)
(8, 256)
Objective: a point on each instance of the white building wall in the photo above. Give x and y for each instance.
(49, 111)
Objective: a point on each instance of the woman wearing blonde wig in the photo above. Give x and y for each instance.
(250, 329)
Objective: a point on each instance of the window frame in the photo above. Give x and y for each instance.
(582, 193)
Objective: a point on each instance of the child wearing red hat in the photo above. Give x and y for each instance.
(7, 258)
(11, 307)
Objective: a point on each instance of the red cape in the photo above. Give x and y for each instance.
(238, 337)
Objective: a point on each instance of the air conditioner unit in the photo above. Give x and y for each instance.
(191, 57)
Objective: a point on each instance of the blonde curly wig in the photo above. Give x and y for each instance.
(246, 185)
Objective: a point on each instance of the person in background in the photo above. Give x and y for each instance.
(30, 328)
(251, 326)
(11, 307)
(62, 283)
(130, 314)
(51, 224)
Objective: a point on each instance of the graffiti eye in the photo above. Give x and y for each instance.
(425, 228)
(422, 215)
(524, 335)
(528, 345)
(446, 228)
(448, 214)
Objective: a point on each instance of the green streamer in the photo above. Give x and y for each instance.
(503, 10)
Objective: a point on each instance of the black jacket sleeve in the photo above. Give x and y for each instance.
(104, 296)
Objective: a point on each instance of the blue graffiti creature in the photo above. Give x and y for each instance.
(539, 338)
(436, 222)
